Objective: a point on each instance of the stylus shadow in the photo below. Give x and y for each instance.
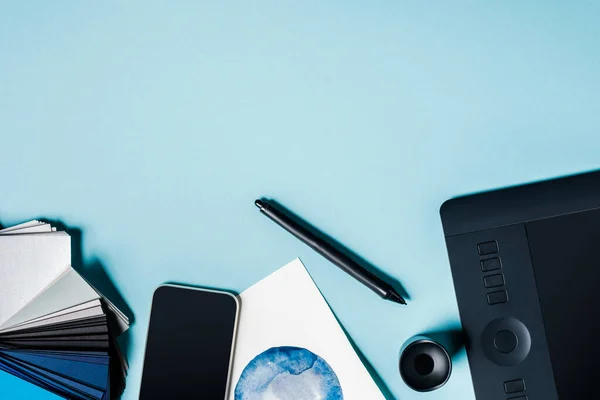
(397, 285)
(94, 272)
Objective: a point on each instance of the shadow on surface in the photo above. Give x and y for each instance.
(95, 273)
(345, 250)
(453, 339)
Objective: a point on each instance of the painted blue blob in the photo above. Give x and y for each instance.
(283, 373)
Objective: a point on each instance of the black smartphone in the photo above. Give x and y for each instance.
(190, 344)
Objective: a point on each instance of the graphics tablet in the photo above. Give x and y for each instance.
(526, 268)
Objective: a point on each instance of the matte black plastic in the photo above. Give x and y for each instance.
(490, 264)
(547, 235)
(498, 297)
(564, 252)
(425, 365)
(327, 250)
(487, 248)
(516, 386)
(520, 204)
(491, 281)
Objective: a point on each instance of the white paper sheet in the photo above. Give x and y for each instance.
(84, 306)
(122, 319)
(81, 314)
(28, 227)
(67, 291)
(286, 311)
(28, 264)
(24, 225)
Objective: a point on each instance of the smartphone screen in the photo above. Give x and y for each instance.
(189, 345)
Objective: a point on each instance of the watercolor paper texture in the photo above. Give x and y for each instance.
(288, 373)
(290, 344)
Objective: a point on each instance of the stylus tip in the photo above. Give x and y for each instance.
(395, 297)
(258, 203)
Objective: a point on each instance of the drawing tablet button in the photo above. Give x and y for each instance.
(505, 341)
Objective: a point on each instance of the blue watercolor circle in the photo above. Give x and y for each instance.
(285, 373)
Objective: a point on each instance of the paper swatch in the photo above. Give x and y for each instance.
(54, 326)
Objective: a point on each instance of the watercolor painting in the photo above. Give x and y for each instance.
(290, 346)
(283, 373)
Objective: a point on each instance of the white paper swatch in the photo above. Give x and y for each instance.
(28, 264)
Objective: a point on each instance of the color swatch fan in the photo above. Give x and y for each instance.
(56, 330)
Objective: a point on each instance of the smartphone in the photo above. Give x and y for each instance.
(190, 344)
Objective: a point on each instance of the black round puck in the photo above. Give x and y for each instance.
(425, 365)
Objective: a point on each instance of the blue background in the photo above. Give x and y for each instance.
(153, 126)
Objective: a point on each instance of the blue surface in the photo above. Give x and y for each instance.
(154, 126)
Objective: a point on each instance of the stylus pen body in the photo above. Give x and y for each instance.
(324, 248)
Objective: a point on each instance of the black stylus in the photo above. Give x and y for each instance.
(327, 250)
